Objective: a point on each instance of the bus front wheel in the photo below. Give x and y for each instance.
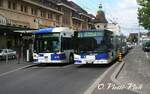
(71, 59)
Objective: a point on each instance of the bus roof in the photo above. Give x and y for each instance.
(49, 30)
(94, 30)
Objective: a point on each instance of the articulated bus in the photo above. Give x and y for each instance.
(53, 45)
(96, 47)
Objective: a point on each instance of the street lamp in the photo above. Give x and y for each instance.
(6, 47)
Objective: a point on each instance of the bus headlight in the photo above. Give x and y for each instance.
(35, 56)
(76, 57)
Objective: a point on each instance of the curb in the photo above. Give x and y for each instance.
(99, 79)
(28, 66)
(115, 75)
(24, 67)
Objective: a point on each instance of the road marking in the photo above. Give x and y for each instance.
(67, 66)
(6, 73)
(147, 55)
(99, 79)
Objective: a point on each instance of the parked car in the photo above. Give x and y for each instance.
(146, 46)
(124, 50)
(130, 46)
(7, 53)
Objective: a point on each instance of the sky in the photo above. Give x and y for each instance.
(124, 12)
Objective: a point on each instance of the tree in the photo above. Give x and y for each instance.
(144, 13)
(133, 38)
(148, 34)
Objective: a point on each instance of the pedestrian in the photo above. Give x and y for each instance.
(18, 57)
(19, 54)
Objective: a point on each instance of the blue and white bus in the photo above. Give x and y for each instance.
(95, 47)
(53, 45)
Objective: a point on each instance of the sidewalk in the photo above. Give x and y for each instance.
(136, 70)
(12, 65)
(108, 86)
(133, 76)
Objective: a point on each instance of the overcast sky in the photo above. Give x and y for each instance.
(124, 12)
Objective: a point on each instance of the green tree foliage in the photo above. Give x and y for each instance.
(144, 13)
(148, 34)
(133, 38)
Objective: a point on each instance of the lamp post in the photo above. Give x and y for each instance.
(5, 34)
(139, 35)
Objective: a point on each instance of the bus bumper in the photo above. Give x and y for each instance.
(102, 61)
(50, 62)
(84, 62)
(105, 61)
(79, 62)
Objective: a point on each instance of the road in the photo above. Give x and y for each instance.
(67, 79)
(75, 79)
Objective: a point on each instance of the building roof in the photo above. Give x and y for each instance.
(78, 8)
(100, 17)
(92, 16)
(72, 5)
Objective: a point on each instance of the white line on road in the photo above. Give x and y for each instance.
(147, 55)
(14, 70)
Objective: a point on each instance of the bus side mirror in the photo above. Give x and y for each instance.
(75, 34)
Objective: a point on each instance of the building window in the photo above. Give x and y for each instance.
(24, 8)
(1, 3)
(50, 15)
(33, 11)
(21, 8)
(12, 5)
(57, 18)
(66, 17)
(9, 4)
(43, 14)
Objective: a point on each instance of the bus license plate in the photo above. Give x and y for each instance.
(89, 62)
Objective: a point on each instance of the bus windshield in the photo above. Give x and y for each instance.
(46, 43)
(92, 42)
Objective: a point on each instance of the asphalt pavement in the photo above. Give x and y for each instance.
(51, 79)
(12, 65)
(76, 79)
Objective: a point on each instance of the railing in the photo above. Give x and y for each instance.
(18, 23)
(47, 4)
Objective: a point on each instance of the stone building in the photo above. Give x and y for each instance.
(80, 18)
(34, 14)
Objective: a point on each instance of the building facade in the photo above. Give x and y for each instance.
(80, 18)
(35, 14)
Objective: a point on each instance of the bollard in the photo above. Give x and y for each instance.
(27, 56)
(120, 57)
